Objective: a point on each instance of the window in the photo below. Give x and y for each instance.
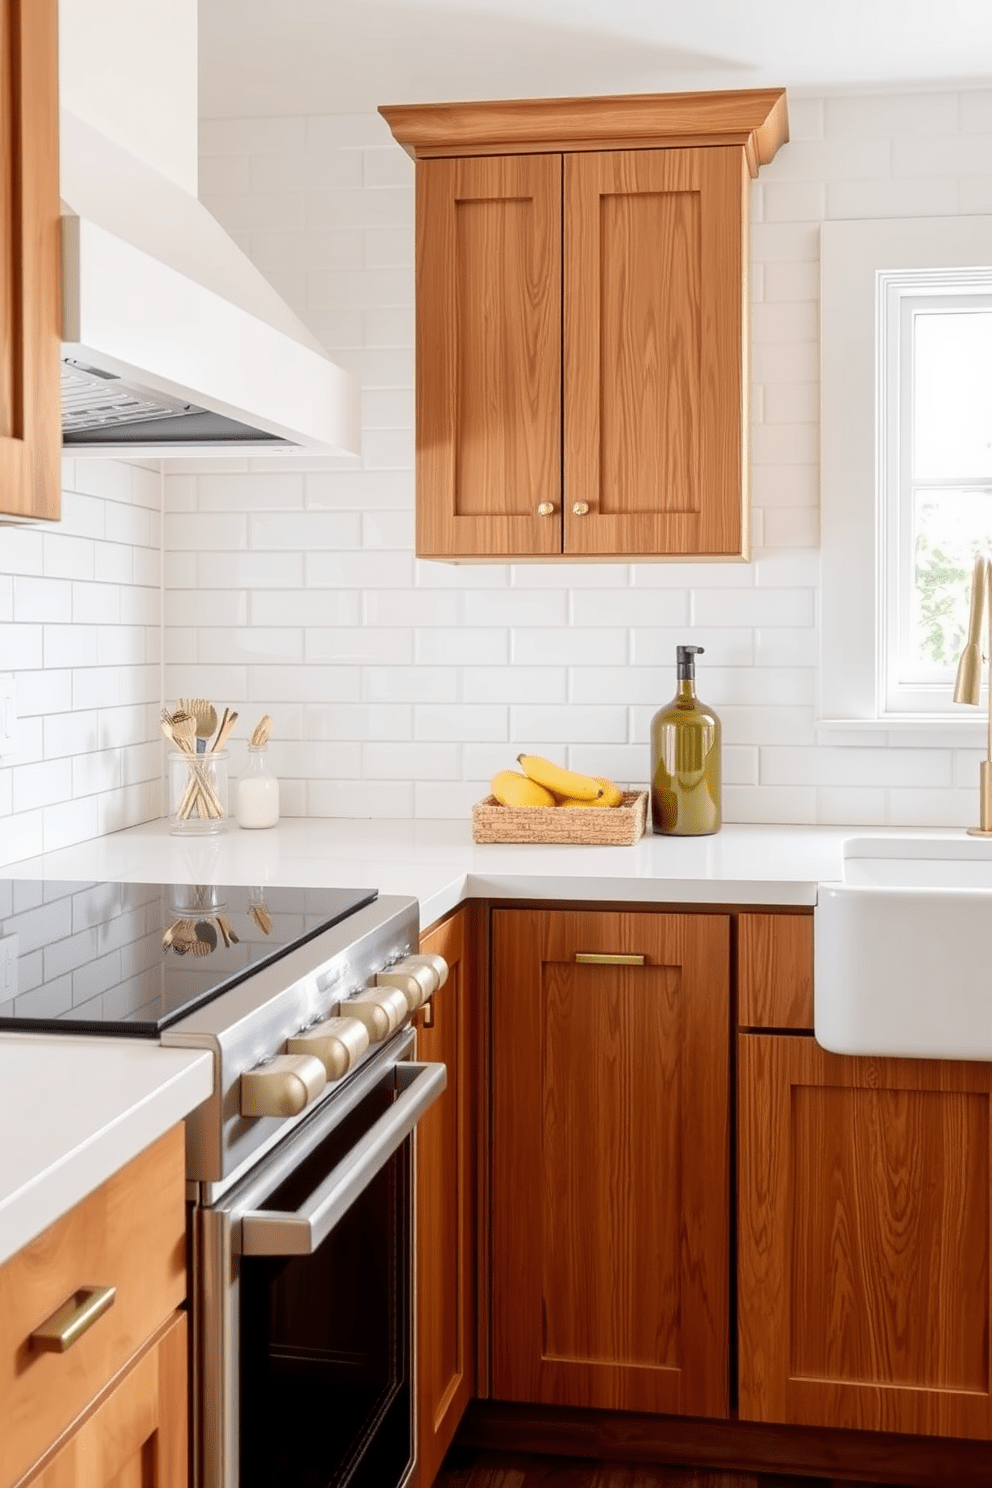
(906, 465)
(934, 354)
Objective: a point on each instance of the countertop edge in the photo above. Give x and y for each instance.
(83, 1166)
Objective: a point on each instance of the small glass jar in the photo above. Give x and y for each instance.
(256, 796)
(197, 793)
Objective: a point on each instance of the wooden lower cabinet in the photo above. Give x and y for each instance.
(610, 1164)
(136, 1435)
(863, 1238)
(446, 1208)
(111, 1407)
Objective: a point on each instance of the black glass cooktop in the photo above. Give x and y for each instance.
(120, 958)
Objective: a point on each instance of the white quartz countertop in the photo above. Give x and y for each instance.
(437, 863)
(74, 1109)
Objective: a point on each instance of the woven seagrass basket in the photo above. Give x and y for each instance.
(601, 826)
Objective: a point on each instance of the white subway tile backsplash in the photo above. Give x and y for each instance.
(41, 784)
(515, 607)
(630, 607)
(399, 686)
(936, 196)
(358, 721)
(569, 647)
(408, 684)
(304, 531)
(23, 648)
(569, 725)
(469, 721)
(64, 557)
(407, 761)
(472, 648)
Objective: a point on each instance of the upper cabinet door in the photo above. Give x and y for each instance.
(655, 352)
(30, 432)
(489, 356)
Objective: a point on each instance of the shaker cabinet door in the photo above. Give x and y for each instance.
(30, 328)
(863, 1240)
(489, 356)
(655, 352)
(610, 1171)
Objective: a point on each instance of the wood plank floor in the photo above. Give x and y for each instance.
(467, 1468)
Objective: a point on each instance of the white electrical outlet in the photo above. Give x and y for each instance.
(8, 967)
(8, 718)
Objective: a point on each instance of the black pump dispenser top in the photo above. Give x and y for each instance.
(686, 656)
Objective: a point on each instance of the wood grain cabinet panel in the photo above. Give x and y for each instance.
(446, 1225)
(30, 327)
(610, 1213)
(582, 266)
(136, 1434)
(130, 1233)
(489, 355)
(775, 971)
(655, 401)
(864, 1233)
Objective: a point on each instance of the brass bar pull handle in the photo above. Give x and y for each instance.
(66, 1326)
(607, 958)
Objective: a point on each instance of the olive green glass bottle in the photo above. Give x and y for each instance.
(685, 759)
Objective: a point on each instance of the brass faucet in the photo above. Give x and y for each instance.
(968, 685)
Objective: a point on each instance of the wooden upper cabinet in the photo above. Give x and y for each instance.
(864, 1207)
(655, 394)
(610, 1160)
(30, 420)
(489, 355)
(582, 323)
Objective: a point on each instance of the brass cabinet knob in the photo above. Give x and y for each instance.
(580, 508)
(546, 509)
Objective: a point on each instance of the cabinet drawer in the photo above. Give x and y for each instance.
(775, 971)
(128, 1234)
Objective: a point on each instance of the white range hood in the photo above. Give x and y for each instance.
(172, 341)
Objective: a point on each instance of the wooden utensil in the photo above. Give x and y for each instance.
(227, 723)
(205, 715)
(260, 733)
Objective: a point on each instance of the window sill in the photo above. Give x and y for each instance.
(911, 731)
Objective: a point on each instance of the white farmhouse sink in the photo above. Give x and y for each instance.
(903, 950)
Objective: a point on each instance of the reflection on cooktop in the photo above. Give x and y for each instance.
(121, 958)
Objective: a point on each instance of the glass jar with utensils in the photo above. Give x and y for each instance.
(198, 795)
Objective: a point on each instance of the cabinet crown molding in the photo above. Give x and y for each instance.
(756, 119)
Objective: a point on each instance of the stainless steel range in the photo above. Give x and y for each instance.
(299, 1165)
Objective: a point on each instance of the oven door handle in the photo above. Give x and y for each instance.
(290, 1233)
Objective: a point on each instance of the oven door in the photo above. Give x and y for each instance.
(304, 1301)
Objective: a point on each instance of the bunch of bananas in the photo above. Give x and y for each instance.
(546, 784)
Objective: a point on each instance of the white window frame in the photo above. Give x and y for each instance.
(901, 295)
(857, 261)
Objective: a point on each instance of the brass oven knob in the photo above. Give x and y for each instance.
(337, 1042)
(417, 977)
(438, 962)
(283, 1087)
(546, 509)
(580, 508)
(381, 1009)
